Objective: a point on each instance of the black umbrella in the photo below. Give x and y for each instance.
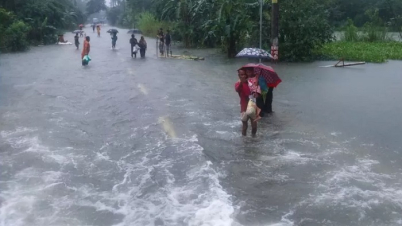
(254, 53)
(134, 31)
(78, 31)
(112, 31)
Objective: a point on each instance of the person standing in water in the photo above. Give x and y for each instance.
(243, 90)
(114, 40)
(143, 46)
(93, 28)
(168, 40)
(77, 41)
(133, 42)
(86, 48)
(161, 37)
(98, 30)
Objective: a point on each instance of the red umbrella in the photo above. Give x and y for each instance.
(267, 72)
(81, 25)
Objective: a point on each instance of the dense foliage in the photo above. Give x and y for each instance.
(36, 21)
(94, 6)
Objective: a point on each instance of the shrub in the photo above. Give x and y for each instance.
(303, 27)
(351, 32)
(6, 19)
(149, 25)
(16, 36)
(377, 52)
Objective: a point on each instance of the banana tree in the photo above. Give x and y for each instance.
(233, 24)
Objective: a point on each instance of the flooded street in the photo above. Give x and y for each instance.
(157, 141)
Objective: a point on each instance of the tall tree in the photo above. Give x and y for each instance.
(94, 6)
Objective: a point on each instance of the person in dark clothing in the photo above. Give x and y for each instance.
(93, 28)
(143, 46)
(133, 42)
(268, 100)
(168, 40)
(76, 40)
(114, 40)
(161, 37)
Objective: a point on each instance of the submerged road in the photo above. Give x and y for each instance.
(157, 142)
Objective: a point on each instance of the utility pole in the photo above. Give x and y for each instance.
(261, 2)
(275, 30)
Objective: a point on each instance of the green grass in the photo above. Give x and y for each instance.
(376, 52)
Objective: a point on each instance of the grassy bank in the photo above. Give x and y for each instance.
(376, 52)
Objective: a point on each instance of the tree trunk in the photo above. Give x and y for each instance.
(232, 47)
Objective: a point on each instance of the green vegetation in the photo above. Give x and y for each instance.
(305, 26)
(376, 52)
(36, 22)
(370, 43)
(230, 24)
(148, 24)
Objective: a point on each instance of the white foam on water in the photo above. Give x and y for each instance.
(358, 189)
(28, 188)
(148, 187)
(198, 199)
(27, 197)
(335, 134)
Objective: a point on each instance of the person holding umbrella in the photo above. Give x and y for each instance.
(134, 43)
(81, 33)
(114, 40)
(267, 79)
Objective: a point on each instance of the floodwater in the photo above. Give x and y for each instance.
(157, 142)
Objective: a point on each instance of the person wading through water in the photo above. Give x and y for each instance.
(244, 92)
(143, 46)
(133, 42)
(86, 48)
(168, 40)
(161, 37)
(114, 40)
(77, 41)
(98, 30)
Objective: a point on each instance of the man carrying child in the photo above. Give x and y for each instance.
(247, 92)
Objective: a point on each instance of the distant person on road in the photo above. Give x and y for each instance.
(247, 113)
(86, 48)
(134, 43)
(77, 41)
(114, 40)
(98, 29)
(143, 46)
(93, 28)
(161, 37)
(168, 40)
